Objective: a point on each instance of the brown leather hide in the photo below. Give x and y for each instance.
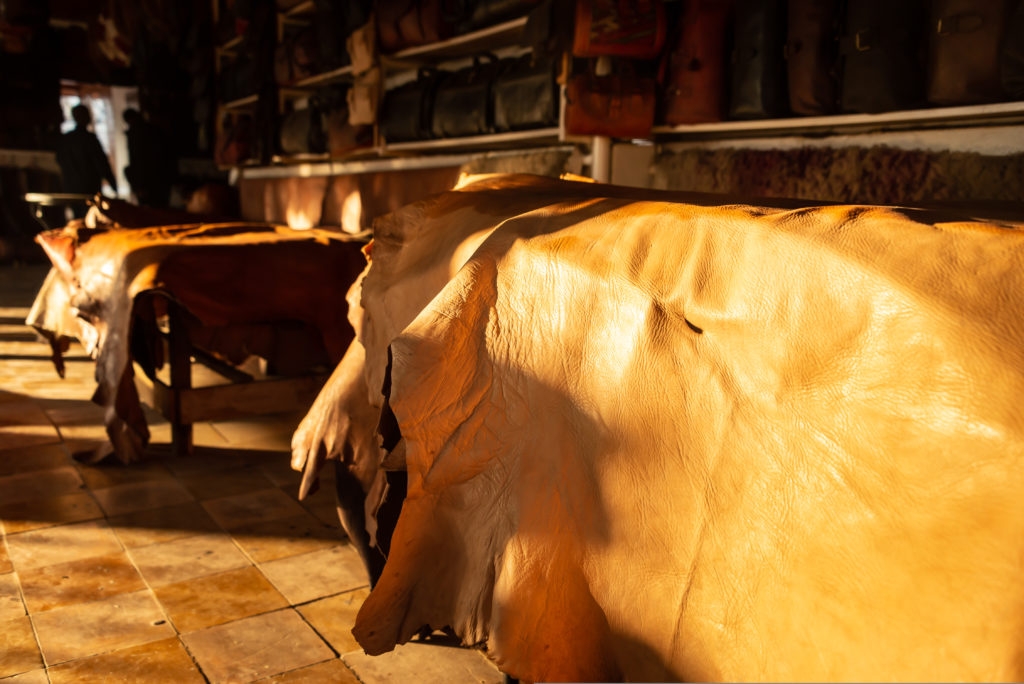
(221, 274)
(652, 440)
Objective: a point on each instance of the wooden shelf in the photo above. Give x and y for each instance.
(484, 40)
(938, 117)
(362, 164)
(300, 9)
(231, 44)
(538, 136)
(342, 74)
(242, 102)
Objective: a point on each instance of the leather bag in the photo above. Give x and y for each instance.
(964, 40)
(462, 101)
(812, 50)
(882, 49)
(526, 94)
(619, 28)
(296, 57)
(696, 75)
(334, 21)
(619, 106)
(1011, 62)
(406, 112)
(297, 134)
(758, 83)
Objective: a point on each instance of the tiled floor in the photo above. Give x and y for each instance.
(204, 568)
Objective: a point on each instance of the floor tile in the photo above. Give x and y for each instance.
(208, 459)
(31, 459)
(244, 509)
(164, 662)
(10, 597)
(27, 486)
(273, 539)
(80, 581)
(23, 424)
(281, 474)
(333, 618)
(206, 484)
(61, 544)
(256, 647)
(86, 629)
(215, 599)
(158, 525)
(48, 511)
(418, 662)
(318, 574)
(137, 496)
(31, 677)
(330, 672)
(272, 432)
(20, 652)
(323, 506)
(182, 559)
(112, 472)
(5, 560)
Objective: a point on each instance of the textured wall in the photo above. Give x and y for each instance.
(868, 175)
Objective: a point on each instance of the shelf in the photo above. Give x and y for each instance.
(972, 115)
(45, 160)
(231, 44)
(242, 102)
(301, 8)
(538, 136)
(339, 167)
(342, 74)
(484, 40)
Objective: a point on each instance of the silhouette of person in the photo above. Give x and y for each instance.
(149, 169)
(83, 163)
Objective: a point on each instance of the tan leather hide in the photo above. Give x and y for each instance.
(221, 274)
(652, 440)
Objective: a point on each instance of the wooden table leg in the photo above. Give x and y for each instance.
(181, 379)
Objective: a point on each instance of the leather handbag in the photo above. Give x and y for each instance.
(812, 50)
(297, 135)
(406, 112)
(462, 100)
(619, 106)
(526, 94)
(619, 28)
(882, 56)
(334, 21)
(331, 130)
(1011, 58)
(389, 14)
(964, 43)
(296, 57)
(695, 77)
(758, 84)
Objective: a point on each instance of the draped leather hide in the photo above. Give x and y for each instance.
(222, 274)
(654, 436)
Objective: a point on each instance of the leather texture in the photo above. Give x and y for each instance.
(618, 106)
(221, 274)
(883, 56)
(660, 438)
(696, 65)
(758, 81)
(526, 95)
(812, 42)
(964, 46)
(619, 28)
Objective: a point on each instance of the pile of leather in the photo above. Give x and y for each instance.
(617, 434)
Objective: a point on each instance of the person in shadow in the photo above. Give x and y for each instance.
(83, 163)
(150, 169)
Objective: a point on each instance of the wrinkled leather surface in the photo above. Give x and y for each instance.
(651, 440)
(221, 274)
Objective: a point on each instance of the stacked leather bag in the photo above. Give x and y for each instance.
(620, 103)
(489, 96)
(407, 23)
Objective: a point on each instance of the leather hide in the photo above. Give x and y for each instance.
(648, 439)
(223, 274)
